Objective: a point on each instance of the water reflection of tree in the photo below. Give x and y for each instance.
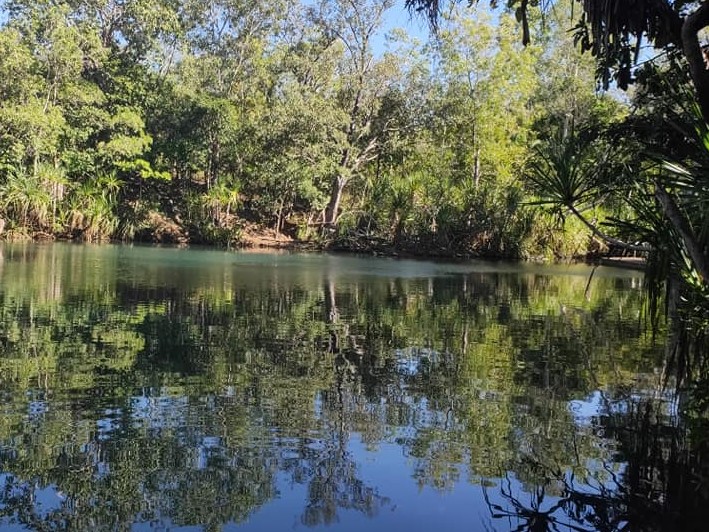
(333, 485)
(666, 483)
(663, 484)
(178, 474)
(464, 373)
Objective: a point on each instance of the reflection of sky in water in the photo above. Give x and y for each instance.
(414, 360)
(36, 409)
(107, 425)
(404, 505)
(386, 466)
(587, 411)
(159, 412)
(402, 421)
(46, 500)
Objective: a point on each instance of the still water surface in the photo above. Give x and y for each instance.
(145, 388)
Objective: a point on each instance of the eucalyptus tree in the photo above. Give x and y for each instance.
(362, 80)
(568, 99)
(490, 81)
(294, 137)
(462, 135)
(224, 69)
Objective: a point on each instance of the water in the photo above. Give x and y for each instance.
(146, 388)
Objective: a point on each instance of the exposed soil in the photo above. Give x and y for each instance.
(164, 230)
(255, 236)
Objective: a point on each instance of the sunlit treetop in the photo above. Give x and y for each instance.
(614, 31)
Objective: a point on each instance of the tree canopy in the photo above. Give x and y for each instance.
(204, 123)
(614, 32)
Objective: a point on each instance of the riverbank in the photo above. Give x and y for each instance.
(633, 263)
(256, 237)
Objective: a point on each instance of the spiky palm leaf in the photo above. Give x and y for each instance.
(26, 199)
(570, 172)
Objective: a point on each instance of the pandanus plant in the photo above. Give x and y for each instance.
(27, 202)
(677, 215)
(666, 203)
(574, 174)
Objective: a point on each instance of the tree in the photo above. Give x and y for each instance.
(490, 84)
(299, 133)
(354, 23)
(613, 32)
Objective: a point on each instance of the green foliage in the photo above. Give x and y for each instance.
(208, 218)
(25, 200)
(568, 172)
(209, 117)
(90, 208)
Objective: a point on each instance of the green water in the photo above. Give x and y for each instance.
(147, 388)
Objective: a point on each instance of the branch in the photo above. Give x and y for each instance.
(525, 23)
(609, 239)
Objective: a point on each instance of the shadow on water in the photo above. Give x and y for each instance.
(288, 391)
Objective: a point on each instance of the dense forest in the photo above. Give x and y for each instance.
(203, 122)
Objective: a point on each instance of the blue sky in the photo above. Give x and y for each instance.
(399, 17)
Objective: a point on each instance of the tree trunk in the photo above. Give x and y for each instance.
(279, 219)
(681, 224)
(333, 206)
(693, 52)
(476, 168)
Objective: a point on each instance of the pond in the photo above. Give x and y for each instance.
(157, 388)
